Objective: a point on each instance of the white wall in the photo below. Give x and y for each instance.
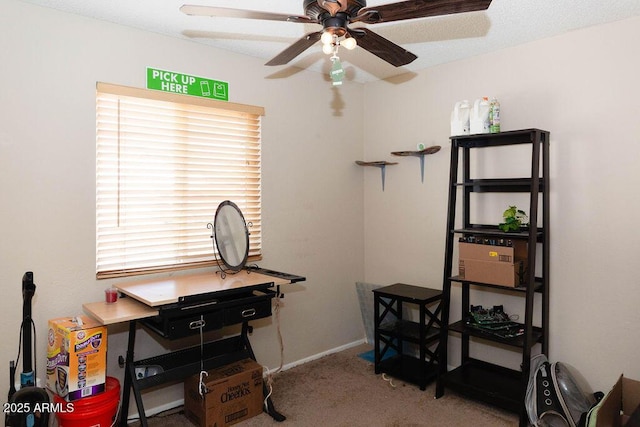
(312, 191)
(583, 87)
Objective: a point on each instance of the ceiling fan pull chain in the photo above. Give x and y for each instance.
(202, 386)
(337, 72)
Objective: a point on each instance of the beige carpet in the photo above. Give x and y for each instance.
(343, 390)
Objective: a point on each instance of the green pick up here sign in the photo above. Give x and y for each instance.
(169, 81)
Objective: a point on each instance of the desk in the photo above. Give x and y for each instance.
(184, 305)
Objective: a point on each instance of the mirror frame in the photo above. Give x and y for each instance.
(240, 266)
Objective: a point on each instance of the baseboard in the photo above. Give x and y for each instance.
(150, 412)
(324, 353)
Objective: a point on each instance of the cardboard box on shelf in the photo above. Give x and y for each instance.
(233, 394)
(619, 408)
(497, 265)
(76, 357)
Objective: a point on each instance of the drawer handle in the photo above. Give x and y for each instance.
(248, 312)
(197, 324)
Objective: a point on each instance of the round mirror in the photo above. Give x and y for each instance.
(231, 235)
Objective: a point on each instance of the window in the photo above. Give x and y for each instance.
(164, 163)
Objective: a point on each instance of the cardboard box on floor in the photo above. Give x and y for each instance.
(620, 407)
(234, 393)
(497, 265)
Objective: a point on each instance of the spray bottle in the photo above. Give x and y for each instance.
(494, 116)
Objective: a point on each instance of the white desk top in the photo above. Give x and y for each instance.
(157, 292)
(144, 295)
(123, 310)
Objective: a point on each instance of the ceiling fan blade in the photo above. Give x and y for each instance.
(411, 9)
(239, 13)
(295, 49)
(381, 47)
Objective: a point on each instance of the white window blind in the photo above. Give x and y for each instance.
(164, 163)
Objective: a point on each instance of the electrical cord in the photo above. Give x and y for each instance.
(19, 344)
(389, 380)
(281, 342)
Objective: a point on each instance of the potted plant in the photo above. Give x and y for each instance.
(514, 218)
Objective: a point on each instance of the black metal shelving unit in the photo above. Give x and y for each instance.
(393, 332)
(475, 378)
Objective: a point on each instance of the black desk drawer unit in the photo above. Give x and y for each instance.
(179, 321)
(394, 334)
(253, 310)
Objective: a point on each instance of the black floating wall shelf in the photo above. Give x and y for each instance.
(379, 164)
(420, 153)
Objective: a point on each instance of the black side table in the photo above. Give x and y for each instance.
(392, 331)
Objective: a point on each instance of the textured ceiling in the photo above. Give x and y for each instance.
(434, 40)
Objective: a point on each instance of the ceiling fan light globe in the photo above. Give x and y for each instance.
(327, 48)
(326, 38)
(349, 43)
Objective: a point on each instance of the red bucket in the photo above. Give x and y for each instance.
(95, 411)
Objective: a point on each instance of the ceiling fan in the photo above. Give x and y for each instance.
(336, 15)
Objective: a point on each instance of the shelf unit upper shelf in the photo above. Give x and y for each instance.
(537, 287)
(495, 232)
(496, 139)
(498, 185)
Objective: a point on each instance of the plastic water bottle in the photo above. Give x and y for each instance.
(479, 117)
(460, 118)
(494, 116)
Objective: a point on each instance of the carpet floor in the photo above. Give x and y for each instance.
(342, 390)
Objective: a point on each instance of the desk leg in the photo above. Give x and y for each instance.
(270, 409)
(130, 382)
